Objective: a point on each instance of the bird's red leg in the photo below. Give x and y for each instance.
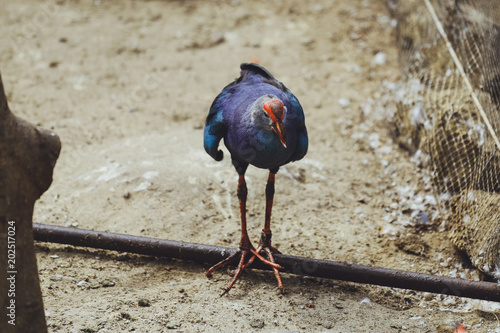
(265, 240)
(242, 196)
(246, 246)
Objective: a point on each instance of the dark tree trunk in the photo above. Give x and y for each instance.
(27, 159)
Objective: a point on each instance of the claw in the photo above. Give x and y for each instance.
(244, 264)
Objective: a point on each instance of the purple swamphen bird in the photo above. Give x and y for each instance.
(262, 124)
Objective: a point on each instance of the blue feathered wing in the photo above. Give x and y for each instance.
(214, 131)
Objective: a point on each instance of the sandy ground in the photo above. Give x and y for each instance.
(127, 86)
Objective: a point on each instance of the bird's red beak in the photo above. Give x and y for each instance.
(279, 131)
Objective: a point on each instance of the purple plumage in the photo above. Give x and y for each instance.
(262, 123)
(238, 115)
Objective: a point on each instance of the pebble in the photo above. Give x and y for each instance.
(420, 216)
(344, 103)
(125, 315)
(108, 283)
(144, 302)
(57, 277)
(379, 58)
(83, 283)
(318, 7)
(257, 323)
(366, 300)
(307, 41)
(367, 109)
(172, 325)
(95, 285)
(355, 68)
(374, 140)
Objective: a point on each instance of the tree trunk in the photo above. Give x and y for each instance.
(27, 159)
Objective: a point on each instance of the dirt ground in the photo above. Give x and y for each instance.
(127, 86)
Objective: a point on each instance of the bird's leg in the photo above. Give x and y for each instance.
(265, 239)
(242, 197)
(246, 246)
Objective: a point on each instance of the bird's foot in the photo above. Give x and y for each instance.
(265, 242)
(248, 255)
(266, 248)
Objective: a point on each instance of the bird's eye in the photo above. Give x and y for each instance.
(266, 114)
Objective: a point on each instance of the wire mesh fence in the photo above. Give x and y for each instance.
(447, 110)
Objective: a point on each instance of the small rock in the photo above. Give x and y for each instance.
(379, 58)
(366, 300)
(172, 325)
(88, 330)
(95, 285)
(344, 103)
(144, 302)
(307, 41)
(374, 140)
(420, 216)
(57, 277)
(125, 315)
(126, 195)
(257, 323)
(83, 283)
(123, 257)
(108, 283)
(318, 7)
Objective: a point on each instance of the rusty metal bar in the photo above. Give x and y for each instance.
(294, 265)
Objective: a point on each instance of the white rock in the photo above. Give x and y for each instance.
(366, 300)
(379, 58)
(150, 174)
(142, 186)
(374, 140)
(344, 103)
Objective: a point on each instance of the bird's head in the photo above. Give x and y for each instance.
(269, 116)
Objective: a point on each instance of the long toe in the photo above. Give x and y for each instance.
(257, 254)
(241, 267)
(276, 272)
(222, 263)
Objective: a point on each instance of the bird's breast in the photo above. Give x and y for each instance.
(259, 148)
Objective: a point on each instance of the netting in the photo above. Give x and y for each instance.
(447, 109)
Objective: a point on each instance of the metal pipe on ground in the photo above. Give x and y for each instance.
(294, 265)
